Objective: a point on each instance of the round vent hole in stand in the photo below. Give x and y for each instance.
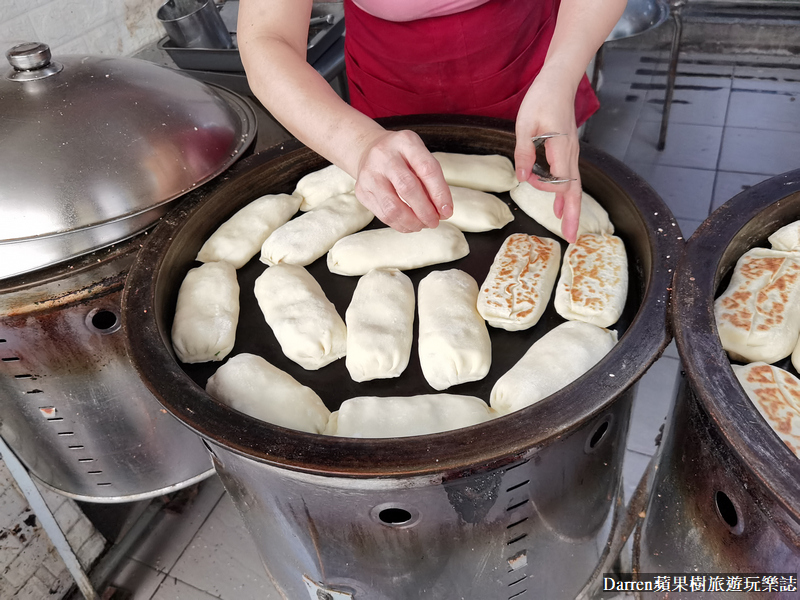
(394, 515)
(599, 433)
(727, 512)
(103, 320)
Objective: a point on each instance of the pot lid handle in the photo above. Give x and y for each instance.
(31, 61)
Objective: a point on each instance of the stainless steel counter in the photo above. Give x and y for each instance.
(330, 65)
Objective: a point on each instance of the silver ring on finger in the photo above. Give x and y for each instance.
(541, 172)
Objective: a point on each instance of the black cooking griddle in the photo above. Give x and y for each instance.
(653, 241)
(333, 383)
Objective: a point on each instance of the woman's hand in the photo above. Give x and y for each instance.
(402, 183)
(388, 165)
(549, 107)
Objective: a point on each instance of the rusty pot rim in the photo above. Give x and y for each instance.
(495, 442)
(699, 273)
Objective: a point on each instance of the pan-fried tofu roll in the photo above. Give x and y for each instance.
(239, 238)
(454, 344)
(305, 322)
(538, 205)
(787, 238)
(555, 360)
(757, 316)
(316, 187)
(387, 248)
(776, 395)
(477, 211)
(251, 385)
(484, 172)
(594, 280)
(518, 287)
(380, 325)
(303, 240)
(373, 417)
(206, 313)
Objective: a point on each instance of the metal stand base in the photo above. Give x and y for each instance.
(87, 586)
(734, 12)
(675, 10)
(626, 519)
(107, 565)
(48, 521)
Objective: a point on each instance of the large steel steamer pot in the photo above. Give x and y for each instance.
(726, 496)
(525, 506)
(95, 150)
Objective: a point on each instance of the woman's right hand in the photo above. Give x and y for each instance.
(401, 182)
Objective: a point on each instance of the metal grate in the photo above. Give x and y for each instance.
(51, 414)
(518, 510)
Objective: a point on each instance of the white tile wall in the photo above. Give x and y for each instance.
(109, 27)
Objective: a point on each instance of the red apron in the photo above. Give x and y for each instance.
(476, 62)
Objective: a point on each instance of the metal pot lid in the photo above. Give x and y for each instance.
(89, 140)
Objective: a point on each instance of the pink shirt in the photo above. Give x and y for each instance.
(411, 10)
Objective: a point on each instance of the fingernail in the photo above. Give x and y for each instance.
(522, 175)
(446, 210)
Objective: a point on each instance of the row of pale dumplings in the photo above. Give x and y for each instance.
(758, 320)
(454, 343)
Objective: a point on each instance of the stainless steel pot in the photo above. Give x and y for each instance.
(194, 24)
(639, 17)
(74, 410)
(726, 496)
(94, 151)
(522, 506)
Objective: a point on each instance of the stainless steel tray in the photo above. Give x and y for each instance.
(320, 37)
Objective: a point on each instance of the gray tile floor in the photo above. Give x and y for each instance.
(735, 121)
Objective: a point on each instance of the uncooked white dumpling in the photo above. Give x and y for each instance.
(538, 205)
(594, 280)
(477, 211)
(306, 324)
(380, 325)
(206, 313)
(555, 360)
(757, 317)
(251, 385)
(303, 240)
(776, 395)
(239, 238)
(373, 417)
(387, 248)
(316, 187)
(519, 283)
(485, 172)
(454, 344)
(787, 238)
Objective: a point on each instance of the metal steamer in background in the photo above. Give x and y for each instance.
(96, 150)
(726, 495)
(524, 506)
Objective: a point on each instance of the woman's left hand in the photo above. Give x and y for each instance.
(549, 107)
